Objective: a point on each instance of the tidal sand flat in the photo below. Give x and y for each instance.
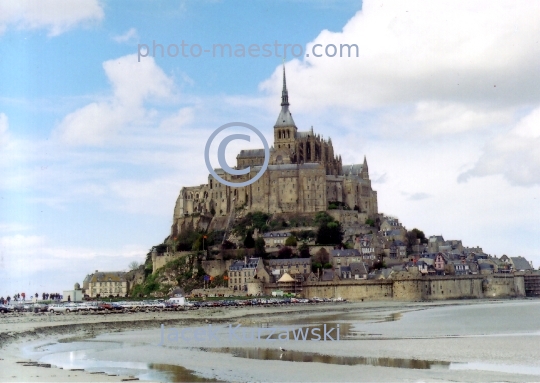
(469, 341)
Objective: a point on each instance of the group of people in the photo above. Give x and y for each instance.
(22, 297)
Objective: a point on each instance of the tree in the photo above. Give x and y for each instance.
(291, 241)
(133, 265)
(260, 247)
(285, 252)
(414, 237)
(329, 234)
(304, 250)
(323, 217)
(370, 222)
(249, 242)
(321, 256)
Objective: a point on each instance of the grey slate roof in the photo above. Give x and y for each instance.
(104, 276)
(251, 153)
(304, 134)
(345, 253)
(292, 261)
(358, 268)
(285, 118)
(327, 275)
(273, 234)
(240, 265)
(521, 263)
(355, 169)
(309, 165)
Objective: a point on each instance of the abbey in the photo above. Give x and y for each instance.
(304, 175)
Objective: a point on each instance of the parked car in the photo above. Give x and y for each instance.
(58, 308)
(94, 306)
(5, 309)
(39, 308)
(83, 307)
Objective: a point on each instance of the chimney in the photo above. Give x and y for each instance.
(245, 260)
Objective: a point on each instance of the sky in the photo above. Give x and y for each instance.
(98, 134)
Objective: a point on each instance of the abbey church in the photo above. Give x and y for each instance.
(304, 175)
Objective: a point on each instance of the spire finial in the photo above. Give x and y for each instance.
(284, 92)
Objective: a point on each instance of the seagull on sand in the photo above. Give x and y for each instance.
(282, 349)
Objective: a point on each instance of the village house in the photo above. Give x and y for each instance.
(434, 242)
(520, 264)
(398, 249)
(106, 284)
(440, 263)
(355, 270)
(344, 257)
(292, 266)
(460, 267)
(275, 238)
(242, 273)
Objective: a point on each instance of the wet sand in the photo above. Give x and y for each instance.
(384, 341)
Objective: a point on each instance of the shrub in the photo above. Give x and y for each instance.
(291, 241)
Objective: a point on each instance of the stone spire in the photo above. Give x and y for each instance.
(285, 118)
(284, 92)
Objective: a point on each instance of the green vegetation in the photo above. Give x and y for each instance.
(413, 237)
(333, 205)
(303, 250)
(330, 231)
(260, 247)
(249, 242)
(255, 220)
(370, 222)
(291, 241)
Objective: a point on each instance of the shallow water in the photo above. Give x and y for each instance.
(481, 341)
(309, 357)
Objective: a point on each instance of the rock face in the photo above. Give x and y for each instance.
(197, 222)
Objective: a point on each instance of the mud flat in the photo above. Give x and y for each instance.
(472, 341)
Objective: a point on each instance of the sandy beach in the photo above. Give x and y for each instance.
(382, 341)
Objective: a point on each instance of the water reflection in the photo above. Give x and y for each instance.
(179, 373)
(344, 331)
(300, 356)
(80, 359)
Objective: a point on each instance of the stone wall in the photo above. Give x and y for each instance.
(353, 290)
(215, 268)
(160, 260)
(414, 288)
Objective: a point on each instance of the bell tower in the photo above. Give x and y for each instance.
(285, 129)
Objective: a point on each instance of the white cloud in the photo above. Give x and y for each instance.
(482, 52)
(30, 261)
(130, 35)
(58, 16)
(133, 83)
(179, 120)
(514, 154)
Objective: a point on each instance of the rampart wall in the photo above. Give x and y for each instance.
(420, 288)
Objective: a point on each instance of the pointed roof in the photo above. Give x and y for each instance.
(286, 278)
(285, 118)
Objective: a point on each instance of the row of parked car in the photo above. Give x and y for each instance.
(83, 307)
(153, 305)
(264, 302)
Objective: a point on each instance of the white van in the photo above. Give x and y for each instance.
(177, 301)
